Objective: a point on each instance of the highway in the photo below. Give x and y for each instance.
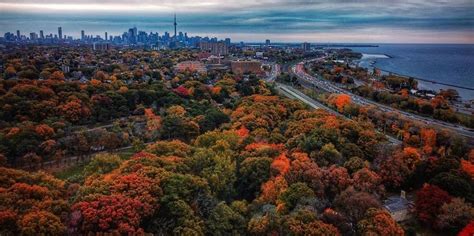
(300, 73)
(296, 94)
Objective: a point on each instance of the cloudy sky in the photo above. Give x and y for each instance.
(365, 21)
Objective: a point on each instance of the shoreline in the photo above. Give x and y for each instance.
(370, 62)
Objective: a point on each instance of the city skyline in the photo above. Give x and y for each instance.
(408, 21)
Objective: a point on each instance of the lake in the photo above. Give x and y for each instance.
(444, 63)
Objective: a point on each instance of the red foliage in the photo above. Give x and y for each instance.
(428, 203)
(468, 230)
(114, 213)
(182, 91)
(468, 167)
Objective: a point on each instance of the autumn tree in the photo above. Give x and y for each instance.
(428, 203)
(378, 222)
(354, 204)
(455, 215)
(113, 214)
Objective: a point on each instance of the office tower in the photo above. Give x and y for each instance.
(306, 46)
(33, 36)
(215, 48)
(175, 25)
(83, 35)
(227, 42)
(60, 33)
(267, 42)
(132, 35)
(105, 36)
(41, 34)
(18, 34)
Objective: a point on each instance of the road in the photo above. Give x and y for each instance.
(300, 73)
(296, 94)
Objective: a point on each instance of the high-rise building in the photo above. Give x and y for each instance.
(83, 35)
(132, 35)
(175, 26)
(33, 36)
(227, 42)
(41, 34)
(60, 33)
(18, 34)
(215, 48)
(105, 36)
(306, 46)
(267, 42)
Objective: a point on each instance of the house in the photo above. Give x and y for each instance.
(399, 207)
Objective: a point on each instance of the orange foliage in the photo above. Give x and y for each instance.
(57, 75)
(13, 131)
(340, 101)
(44, 130)
(281, 164)
(153, 121)
(243, 132)
(411, 157)
(216, 90)
(96, 82)
(74, 110)
(468, 167)
(428, 136)
(273, 188)
(404, 93)
(262, 145)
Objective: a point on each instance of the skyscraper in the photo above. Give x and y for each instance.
(105, 36)
(267, 42)
(175, 24)
(60, 33)
(83, 35)
(18, 34)
(41, 34)
(306, 46)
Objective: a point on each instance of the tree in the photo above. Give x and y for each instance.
(41, 222)
(455, 215)
(102, 164)
(428, 203)
(340, 101)
(354, 204)
(366, 180)
(328, 155)
(114, 213)
(57, 75)
(378, 222)
(223, 220)
(75, 110)
(253, 172)
(297, 193)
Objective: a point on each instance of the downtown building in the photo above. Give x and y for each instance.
(215, 48)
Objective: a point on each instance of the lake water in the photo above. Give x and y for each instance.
(450, 64)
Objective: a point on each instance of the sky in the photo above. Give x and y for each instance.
(316, 21)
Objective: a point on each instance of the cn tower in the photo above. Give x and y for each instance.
(175, 24)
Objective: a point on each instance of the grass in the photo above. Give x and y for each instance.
(77, 170)
(69, 172)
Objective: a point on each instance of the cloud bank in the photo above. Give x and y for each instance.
(435, 21)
